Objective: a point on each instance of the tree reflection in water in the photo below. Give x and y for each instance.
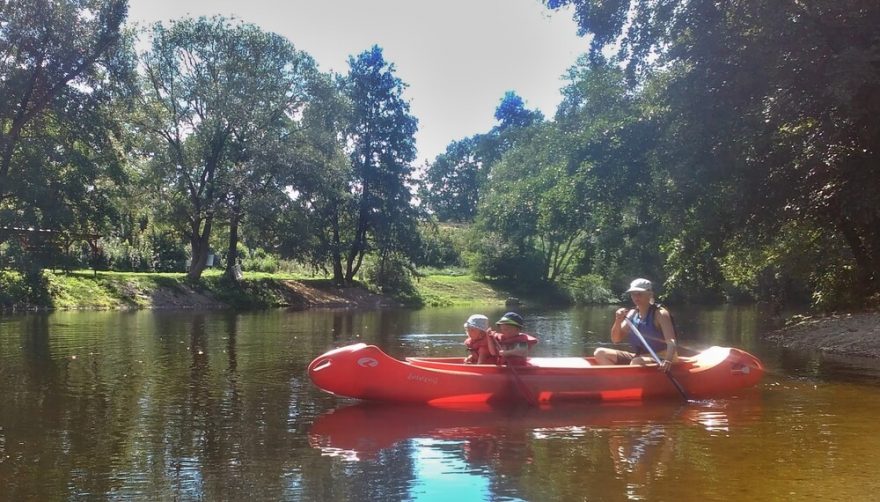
(498, 445)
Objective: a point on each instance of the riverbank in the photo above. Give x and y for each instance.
(87, 290)
(855, 334)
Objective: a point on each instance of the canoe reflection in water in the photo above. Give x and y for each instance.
(362, 431)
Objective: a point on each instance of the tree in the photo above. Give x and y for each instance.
(325, 209)
(220, 98)
(535, 207)
(61, 150)
(776, 95)
(454, 182)
(451, 186)
(381, 134)
(512, 112)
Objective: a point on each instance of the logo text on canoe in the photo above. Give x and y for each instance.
(421, 378)
(367, 362)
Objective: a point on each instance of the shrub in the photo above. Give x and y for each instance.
(500, 260)
(391, 275)
(589, 289)
(258, 260)
(168, 253)
(442, 246)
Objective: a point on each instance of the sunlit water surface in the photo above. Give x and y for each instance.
(217, 406)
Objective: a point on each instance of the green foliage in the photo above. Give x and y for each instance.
(694, 270)
(218, 98)
(589, 289)
(512, 112)
(455, 182)
(168, 253)
(800, 263)
(765, 118)
(317, 227)
(381, 133)
(392, 275)
(442, 245)
(23, 291)
(495, 257)
(61, 154)
(258, 260)
(127, 256)
(726, 150)
(452, 183)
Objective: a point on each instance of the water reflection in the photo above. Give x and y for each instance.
(640, 456)
(496, 446)
(362, 431)
(218, 406)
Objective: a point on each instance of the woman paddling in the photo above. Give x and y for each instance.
(653, 322)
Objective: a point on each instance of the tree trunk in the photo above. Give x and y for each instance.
(356, 255)
(866, 269)
(199, 243)
(338, 278)
(233, 270)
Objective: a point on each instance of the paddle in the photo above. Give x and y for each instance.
(656, 358)
(518, 383)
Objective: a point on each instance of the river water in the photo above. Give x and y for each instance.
(217, 406)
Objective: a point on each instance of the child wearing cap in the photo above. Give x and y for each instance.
(477, 341)
(509, 344)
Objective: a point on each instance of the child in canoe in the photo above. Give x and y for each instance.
(477, 341)
(509, 344)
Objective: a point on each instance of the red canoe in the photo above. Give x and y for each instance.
(365, 372)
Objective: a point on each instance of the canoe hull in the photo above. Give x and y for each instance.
(365, 372)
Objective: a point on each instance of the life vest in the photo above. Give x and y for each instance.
(653, 335)
(514, 349)
(474, 345)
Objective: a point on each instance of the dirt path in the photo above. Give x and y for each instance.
(847, 334)
(332, 297)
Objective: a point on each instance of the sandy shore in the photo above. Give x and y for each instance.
(846, 334)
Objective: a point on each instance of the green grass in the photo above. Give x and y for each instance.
(456, 290)
(87, 290)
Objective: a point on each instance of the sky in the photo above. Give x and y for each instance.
(457, 57)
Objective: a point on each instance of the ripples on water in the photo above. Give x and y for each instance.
(188, 405)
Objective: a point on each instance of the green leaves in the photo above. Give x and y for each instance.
(381, 135)
(767, 114)
(220, 100)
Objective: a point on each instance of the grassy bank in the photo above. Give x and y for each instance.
(437, 290)
(87, 290)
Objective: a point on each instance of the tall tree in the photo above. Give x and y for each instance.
(60, 146)
(512, 112)
(451, 186)
(535, 210)
(382, 138)
(612, 134)
(776, 95)
(454, 182)
(219, 96)
(318, 223)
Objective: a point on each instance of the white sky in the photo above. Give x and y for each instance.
(458, 57)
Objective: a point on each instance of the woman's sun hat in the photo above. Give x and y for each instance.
(640, 285)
